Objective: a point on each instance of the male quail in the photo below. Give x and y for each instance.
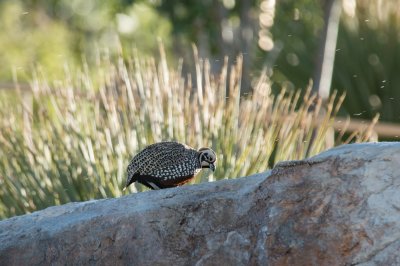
(168, 164)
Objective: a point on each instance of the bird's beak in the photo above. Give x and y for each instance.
(212, 167)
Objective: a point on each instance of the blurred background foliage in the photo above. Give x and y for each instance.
(283, 36)
(368, 60)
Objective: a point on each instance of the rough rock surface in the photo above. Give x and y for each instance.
(341, 207)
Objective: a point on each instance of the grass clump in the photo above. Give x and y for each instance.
(72, 141)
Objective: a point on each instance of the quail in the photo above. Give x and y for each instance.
(168, 164)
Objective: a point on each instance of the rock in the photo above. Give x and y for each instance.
(341, 207)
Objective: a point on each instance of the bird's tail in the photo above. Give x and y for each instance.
(131, 179)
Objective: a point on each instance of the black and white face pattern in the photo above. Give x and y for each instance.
(207, 158)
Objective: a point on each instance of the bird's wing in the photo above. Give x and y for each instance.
(169, 154)
(159, 155)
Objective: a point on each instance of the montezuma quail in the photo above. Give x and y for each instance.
(168, 164)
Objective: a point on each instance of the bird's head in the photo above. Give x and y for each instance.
(207, 158)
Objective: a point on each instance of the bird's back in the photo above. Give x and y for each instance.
(163, 155)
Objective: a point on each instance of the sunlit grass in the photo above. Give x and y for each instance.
(72, 141)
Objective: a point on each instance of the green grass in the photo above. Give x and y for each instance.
(72, 141)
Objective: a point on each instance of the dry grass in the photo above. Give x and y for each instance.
(72, 141)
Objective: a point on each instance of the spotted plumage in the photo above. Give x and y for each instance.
(168, 164)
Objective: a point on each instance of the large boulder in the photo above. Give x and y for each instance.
(341, 207)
